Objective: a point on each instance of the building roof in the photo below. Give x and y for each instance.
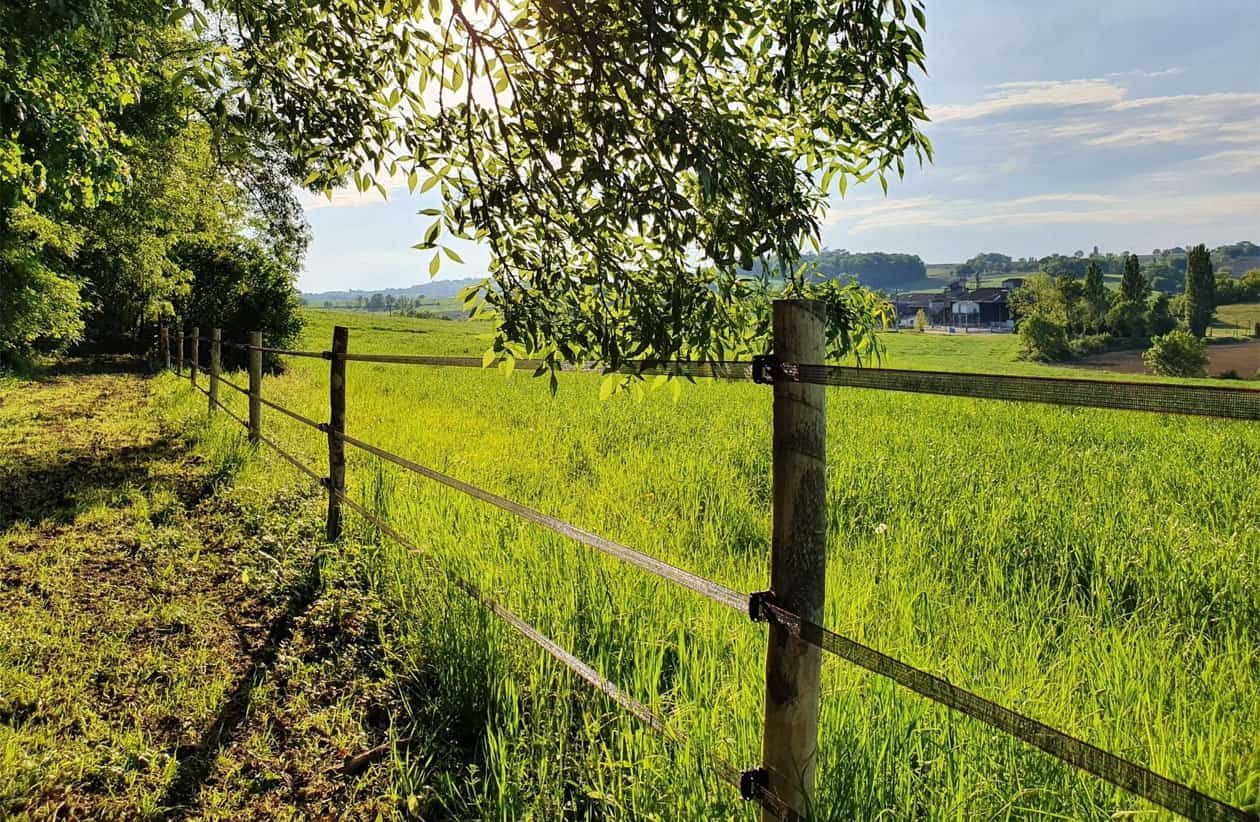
(986, 295)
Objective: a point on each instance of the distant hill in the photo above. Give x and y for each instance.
(436, 290)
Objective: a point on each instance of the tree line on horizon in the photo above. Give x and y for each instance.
(1062, 316)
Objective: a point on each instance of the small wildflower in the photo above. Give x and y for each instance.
(882, 528)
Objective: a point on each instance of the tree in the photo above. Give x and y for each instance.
(107, 149)
(626, 162)
(40, 306)
(1133, 286)
(1070, 294)
(1127, 318)
(239, 285)
(1043, 339)
(1094, 294)
(1160, 318)
(1177, 354)
(1200, 290)
(920, 320)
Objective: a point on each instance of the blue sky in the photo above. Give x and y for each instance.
(1126, 124)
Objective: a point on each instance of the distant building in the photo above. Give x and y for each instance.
(1012, 283)
(987, 308)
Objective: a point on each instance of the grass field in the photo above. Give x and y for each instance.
(1241, 317)
(1097, 570)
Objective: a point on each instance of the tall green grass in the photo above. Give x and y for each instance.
(1097, 570)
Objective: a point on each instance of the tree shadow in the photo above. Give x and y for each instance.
(195, 762)
(55, 486)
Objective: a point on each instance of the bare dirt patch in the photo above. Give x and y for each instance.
(1242, 358)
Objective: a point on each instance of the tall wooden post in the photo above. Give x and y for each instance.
(797, 556)
(255, 387)
(164, 335)
(336, 425)
(179, 348)
(195, 340)
(216, 337)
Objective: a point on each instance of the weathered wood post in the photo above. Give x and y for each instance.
(179, 347)
(195, 341)
(336, 425)
(255, 386)
(216, 338)
(797, 556)
(164, 336)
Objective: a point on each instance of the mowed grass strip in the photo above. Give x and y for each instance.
(167, 649)
(1097, 570)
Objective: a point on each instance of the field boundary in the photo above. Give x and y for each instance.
(795, 640)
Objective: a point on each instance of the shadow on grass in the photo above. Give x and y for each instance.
(55, 486)
(195, 762)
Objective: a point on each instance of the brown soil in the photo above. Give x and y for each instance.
(1242, 357)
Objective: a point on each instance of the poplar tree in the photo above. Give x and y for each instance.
(1200, 290)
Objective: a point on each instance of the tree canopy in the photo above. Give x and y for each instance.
(109, 162)
(625, 161)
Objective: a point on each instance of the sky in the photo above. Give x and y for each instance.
(1124, 124)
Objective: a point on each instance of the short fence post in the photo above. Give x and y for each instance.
(216, 337)
(797, 557)
(179, 348)
(255, 386)
(196, 355)
(336, 426)
(164, 334)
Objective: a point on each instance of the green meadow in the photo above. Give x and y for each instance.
(1097, 570)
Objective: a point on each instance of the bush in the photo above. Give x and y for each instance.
(1089, 344)
(1127, 318)
(920, 320)
(1043, 340)
(239, 287)
(1177, 354)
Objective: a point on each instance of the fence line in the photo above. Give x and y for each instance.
(705, 588)
(1122, 395)
(1133, 778)
(751, 788)
(759, 784)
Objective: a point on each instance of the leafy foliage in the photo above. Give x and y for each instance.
(40, 307)
(875, 269)
(239, 286)
(1177, 354)
(1200, 290)
(624, 161)
(1133, 286)
(105, 147)
(1043, 339)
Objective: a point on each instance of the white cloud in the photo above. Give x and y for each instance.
(1133, 208)
(1010, 96)
(1100, 114)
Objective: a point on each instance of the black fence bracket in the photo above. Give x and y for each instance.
(756, 602)
(753, 783)
(764, 367)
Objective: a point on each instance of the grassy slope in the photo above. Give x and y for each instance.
(163, 650)
(1243, 316)
(1095, 569)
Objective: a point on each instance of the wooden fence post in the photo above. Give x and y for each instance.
(255, 386)
(797, 557)
(179, 348)
(164, 336)
(216, 337)
(336, 425)
(195, 340)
